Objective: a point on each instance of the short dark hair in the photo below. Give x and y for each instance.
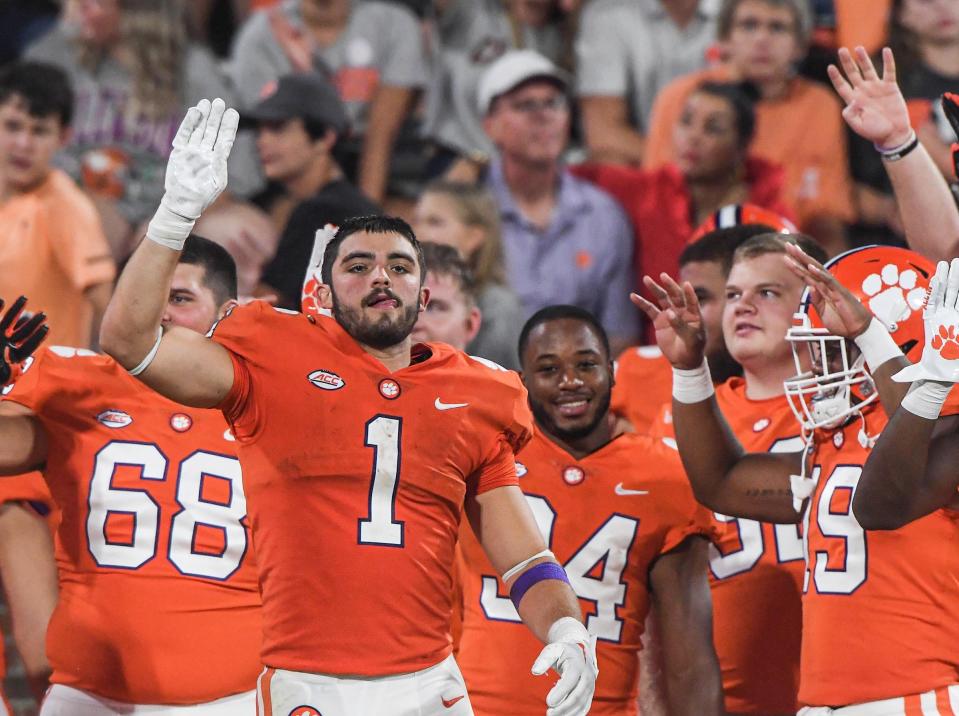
(444, 260)
(559, 312)
(219, 268)
(742, 97)
(775, 243)
(370, 225)
(719, 245)
(45, 89)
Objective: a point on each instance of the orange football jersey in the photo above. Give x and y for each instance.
(879, 612)
(158, 594)
(644, 381)
(758, 564)
(606, 517)
(356, 479)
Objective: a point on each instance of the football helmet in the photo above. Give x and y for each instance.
(738, 214)
(892, 283)
(309, 298)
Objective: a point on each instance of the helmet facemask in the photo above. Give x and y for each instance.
(835, 387)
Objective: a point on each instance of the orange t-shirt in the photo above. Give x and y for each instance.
(879, 617)
(758, 564)
(158, 592)
(803, 132)
(51, 250)
(356, 479)
(607, 542)
(644, 381)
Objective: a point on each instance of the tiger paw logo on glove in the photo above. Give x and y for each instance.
(946, 342)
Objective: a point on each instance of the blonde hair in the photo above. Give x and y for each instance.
(153, 37)
(775, 243)
(475, 206)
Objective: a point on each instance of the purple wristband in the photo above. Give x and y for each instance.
(539, 573)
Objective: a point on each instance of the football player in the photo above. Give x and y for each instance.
(618, 512)
(159, 608)
(361, 453)
(878, 627)
(752, 562)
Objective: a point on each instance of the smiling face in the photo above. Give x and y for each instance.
(761, 297)
(375, 291)
(568, 374)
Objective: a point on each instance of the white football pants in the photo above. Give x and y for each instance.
(436, 691)
(66, 701)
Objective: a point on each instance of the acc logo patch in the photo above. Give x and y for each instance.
(305, 711)
(114, 418)
(326, 380)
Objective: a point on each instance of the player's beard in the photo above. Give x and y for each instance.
(380, 334)
(545, 420)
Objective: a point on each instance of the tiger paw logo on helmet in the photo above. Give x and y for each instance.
(946, 342)
(892, 295)
(305, 711)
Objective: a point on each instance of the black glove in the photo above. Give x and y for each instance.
(20, 336)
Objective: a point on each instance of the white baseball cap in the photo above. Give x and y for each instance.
(513, 69)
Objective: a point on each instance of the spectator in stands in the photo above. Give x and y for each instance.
(451, 316)
(134, 74)
(799, 123)
(466, 217)
(373, 53)
(712, 169)
(627, 51)
(471, 34)
(924, 37)
(566, 241)
(52, 246)
(298, 126)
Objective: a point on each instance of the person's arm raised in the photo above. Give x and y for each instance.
(911, 470)
(177, 363)
(876, 111)
(723, 477)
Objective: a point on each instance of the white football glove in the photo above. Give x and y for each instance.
(940, 354)
(196, 172)
(571, 651)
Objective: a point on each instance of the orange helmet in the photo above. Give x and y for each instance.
(892, 283)
(738, 214)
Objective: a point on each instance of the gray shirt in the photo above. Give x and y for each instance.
(503, 319)
(632, 49)
(381, 44)
(584, 257)
(121, 153)
(471, 35)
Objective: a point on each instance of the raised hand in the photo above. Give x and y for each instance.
(196, 172)
(841, 312)
(678, 321)
(20, 336)
(940, 353)
(875, 108)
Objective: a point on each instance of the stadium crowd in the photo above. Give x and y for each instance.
(670, 267)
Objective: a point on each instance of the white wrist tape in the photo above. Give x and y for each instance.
(692, 386)
(926, 397)
(169, 229)
(877, 345)
(145, 363)
(567, 629)
(513, 571)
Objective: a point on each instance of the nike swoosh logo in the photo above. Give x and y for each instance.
(620, 490)
(440, 405)
(449, 703)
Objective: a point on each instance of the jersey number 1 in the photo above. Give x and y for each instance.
(380, 526)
